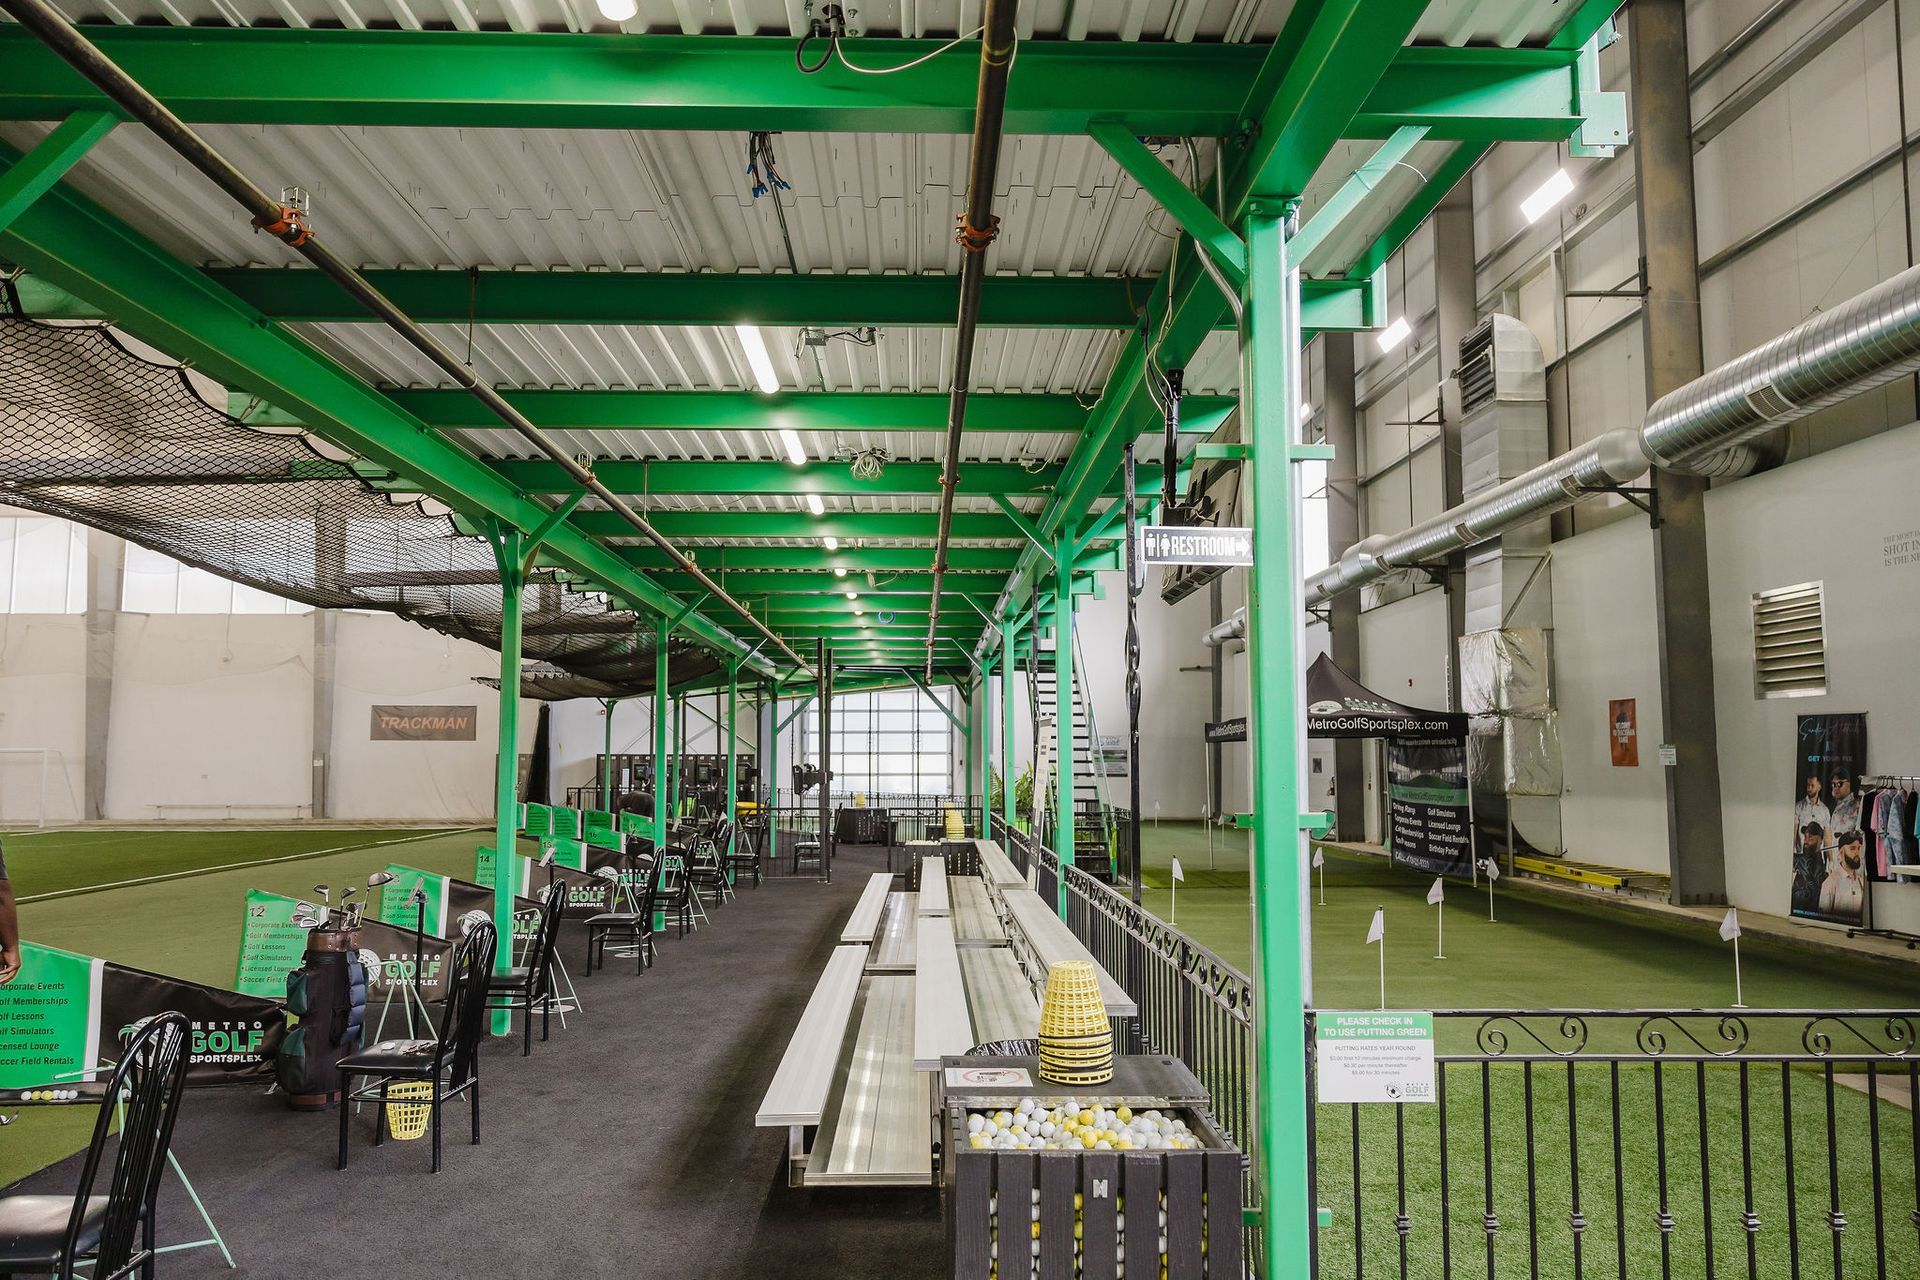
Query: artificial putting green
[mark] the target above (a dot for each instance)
(187, 927)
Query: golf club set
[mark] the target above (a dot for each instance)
(327, 994)
(352, 910)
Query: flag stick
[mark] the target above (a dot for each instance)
(1323, 881)
(1383, 968)
(1440, 937)
(1173, 901)
(1490, 919)
(1739, 999)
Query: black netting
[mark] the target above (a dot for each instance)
(92, 433)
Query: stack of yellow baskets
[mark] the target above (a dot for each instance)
(1076, 1039)
(956, 825)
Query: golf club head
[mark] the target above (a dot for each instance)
(379, 878)
(323, 893)
(346, 893)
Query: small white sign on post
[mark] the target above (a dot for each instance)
(1383, 1055)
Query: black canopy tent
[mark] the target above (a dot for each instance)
(1427, 764)
(1338, 706)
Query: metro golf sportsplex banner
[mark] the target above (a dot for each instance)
(62, 1020)
(451, 905)
(272, 942)
(1829, 840)
(1428, 803)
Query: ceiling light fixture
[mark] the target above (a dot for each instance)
(816, 506)
(790, 441)
(830, 542)
(1551, 193)
(618, 10)
(757, 358)
(853, 595)
(1394, 334)
(839, 571)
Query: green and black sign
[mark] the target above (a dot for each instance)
(62, 1021)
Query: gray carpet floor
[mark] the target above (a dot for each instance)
(623, 1147)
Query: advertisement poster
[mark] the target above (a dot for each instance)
(272, 943)
(1623, 733)
(1429, 818)
(452, 905)
(63, 1018)
(589, 891)
(1829, 839)
(1374, 1056)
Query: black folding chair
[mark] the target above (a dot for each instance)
(110, 1234)
(524, 985)
(708, 867)
(744, 856)
(633, 926)
(449, 1063)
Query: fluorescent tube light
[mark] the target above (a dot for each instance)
(1551, 193)
(757, 357)
(1395, 334)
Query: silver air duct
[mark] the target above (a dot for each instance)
(1234, 628)
(1701, 428)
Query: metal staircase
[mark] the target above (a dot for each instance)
(1093, 816)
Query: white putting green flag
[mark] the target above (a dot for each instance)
(1491, 867)
(1179, 874)
(1730, 926)
(1436, 894)
(1730, 932)
(1377, 932)
(1319, 856)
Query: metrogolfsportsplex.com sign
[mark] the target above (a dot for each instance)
(1195, 544)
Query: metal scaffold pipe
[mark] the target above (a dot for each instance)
(289, 225)
(978, 227)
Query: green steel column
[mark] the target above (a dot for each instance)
(509, 546)
(1006, 723)
(678, 748)
(986, 748)
(771, 763)
(660, 739)
(733, 740)
(1063, 713)
(1270, 373)
(606, 757)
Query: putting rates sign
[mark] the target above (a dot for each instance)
(1381, 1055)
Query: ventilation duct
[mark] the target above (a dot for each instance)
(1702, 428)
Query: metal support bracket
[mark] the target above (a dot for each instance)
(1027, 528)
(1645, 497)
(40, 169)
(1603, 115)
(1222, 452)
(1243, 821)
(927, 689)
(685, 611)
(546, 528)
(1309, 453)
(1316, 823)
(1227, 250)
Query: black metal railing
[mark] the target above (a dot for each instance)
(1636, 1143)
(1566, 1143)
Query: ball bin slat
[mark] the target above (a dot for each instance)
(1099, 1258)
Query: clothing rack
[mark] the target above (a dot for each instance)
(1881, 782)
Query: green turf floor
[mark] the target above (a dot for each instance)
(187, 927)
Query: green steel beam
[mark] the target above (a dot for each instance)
(639, 297)
(83, 249)
(50, 160)
(1329, 57)
(606, 297)
(1340, 206)
(1474, 95)
(1189, 211)
(844, 525)
(751, 584)
(854, 559)
(809, 411)
(1445, 176)
(552, 80)
(677, 476)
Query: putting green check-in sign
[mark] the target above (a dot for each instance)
(1383, 1055)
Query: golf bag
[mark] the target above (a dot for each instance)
(328, 996)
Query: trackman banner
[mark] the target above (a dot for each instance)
(424, 724)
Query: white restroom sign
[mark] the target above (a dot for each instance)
(1383, 1055)
(1195, 544)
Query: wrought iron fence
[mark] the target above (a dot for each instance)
(1636, 1143)
(1566, 1143)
